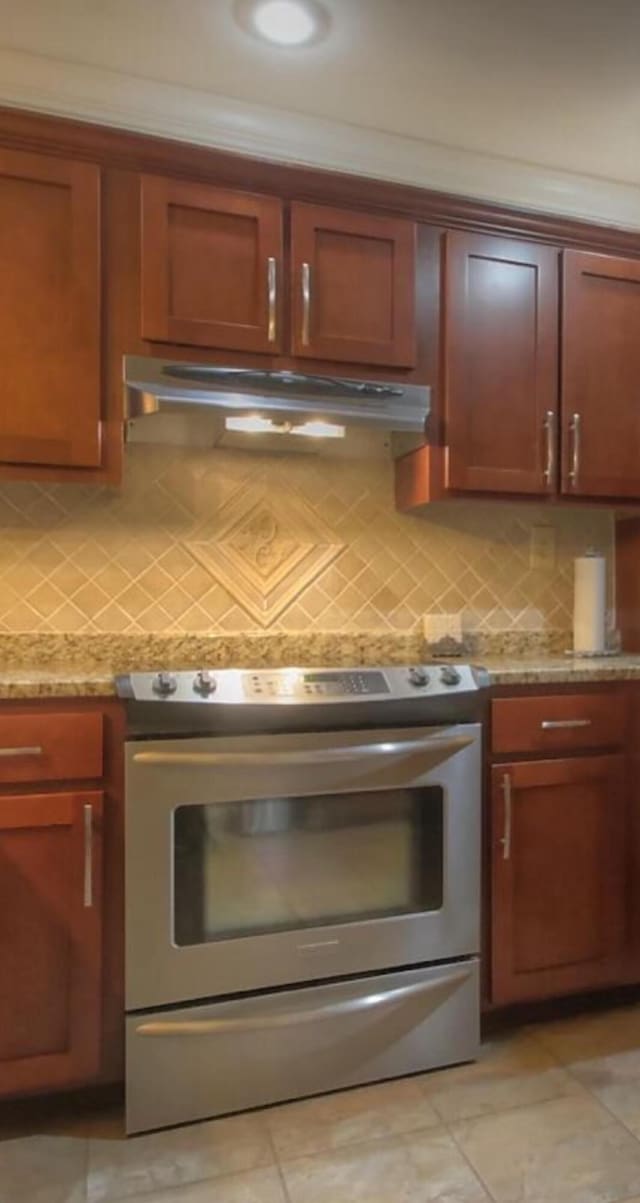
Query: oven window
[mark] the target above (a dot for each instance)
(279, 864)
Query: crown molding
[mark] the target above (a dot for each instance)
(113, 99)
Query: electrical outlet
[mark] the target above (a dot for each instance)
(542, 548)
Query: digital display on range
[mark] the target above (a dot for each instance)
(341, 682)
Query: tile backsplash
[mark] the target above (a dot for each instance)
(229, 541)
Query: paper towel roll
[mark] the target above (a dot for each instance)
(589, 603)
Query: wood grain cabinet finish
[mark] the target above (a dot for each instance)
(211, 266)
(600, 376)
(353, 286)
(559, 723)
(51, 940)
(500, 364)
(50, 311)
(559, 881)
(38, 746)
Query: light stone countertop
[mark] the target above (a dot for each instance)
(74, 666)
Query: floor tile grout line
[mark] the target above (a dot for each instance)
(618, 1119)
(434, 1129)
(277, 1163)
(477, 1175)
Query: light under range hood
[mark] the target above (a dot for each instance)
(290, 399)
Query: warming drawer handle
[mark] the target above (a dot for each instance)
(447, 744)
(564, 724)
(10, 753)
(257, 1023)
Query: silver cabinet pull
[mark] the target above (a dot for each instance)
(88, 855)
(564, 724)
(506, 835)
(272, 295)
(306, 303)
(9, 753)
(574, 471)
(255, 1023)
(550, 444)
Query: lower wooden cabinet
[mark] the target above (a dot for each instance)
(51, 940)
(558, 876)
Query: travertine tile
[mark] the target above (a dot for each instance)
(563, 1151)
(386, 1109)
(418, 1169)
(594, 1035)
(121, 1169)
(512, 1072)
(269, 533)
(43, 1169)
(255, 1186)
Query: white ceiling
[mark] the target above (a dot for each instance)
(553, 84)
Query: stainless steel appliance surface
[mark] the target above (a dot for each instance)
(151, 384)
(302, 863)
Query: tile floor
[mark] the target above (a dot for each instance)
(550, 1114)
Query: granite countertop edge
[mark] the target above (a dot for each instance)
(20, 683)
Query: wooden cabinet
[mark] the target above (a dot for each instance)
(214, 274)
(50, 311)
(558, 876)
(50, 936)
(353, 286)
(211, 266)
(500, 357)
(600, 376)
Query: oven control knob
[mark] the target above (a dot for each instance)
(418, 677)
(204, 683)
(449, 675)
(164, 684)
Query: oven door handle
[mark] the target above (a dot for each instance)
(444, 745)
(259, 1023)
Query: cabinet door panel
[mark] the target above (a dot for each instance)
(500, 364)
(601, 376)
(211, 266)
(51, 940)
(357, 301)
(50, 311)
(559, 877)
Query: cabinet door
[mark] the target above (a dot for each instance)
(500, 364)
(558, 876)
(51, 940)
(49, 311)
(211, 266)
(353, 286)
(601, 376)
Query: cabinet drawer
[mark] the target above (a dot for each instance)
(558, 722)
(50, 747)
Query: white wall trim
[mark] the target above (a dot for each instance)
(147, 106)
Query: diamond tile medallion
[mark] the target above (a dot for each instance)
(267, 550)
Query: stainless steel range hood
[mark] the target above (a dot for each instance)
(286, 397)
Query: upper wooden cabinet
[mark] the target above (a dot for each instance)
(500, 375)
(353, 286)
(50, 311)
(213, 275)
(211, 266)
(601, 376)
(51, 940)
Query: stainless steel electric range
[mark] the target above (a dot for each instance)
(302, 882)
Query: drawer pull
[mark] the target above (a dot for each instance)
(88, 856)
(564, 724)
(306, 303)
(10, 753)
(506, 835)
(256, 1023)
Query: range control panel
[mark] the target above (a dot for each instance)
(296, 686)
(320, 683)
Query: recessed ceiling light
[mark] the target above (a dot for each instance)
(284, 22)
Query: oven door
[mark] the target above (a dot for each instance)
(261, 861)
